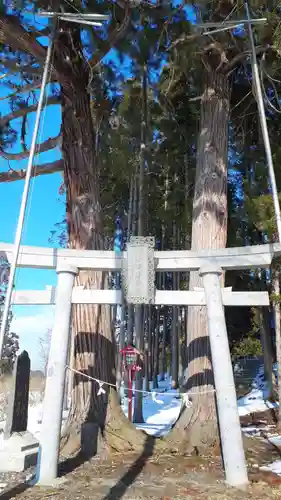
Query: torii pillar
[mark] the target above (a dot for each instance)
(228, 416)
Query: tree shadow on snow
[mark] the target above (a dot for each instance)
(117, 491)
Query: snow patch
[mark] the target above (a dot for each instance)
(275, 467)
(161, 409)
(256, 399)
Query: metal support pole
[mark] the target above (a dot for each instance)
(24, 200)
(55, 380)
(228, 417)
(139, 309)
(130, 395)
(256, 78)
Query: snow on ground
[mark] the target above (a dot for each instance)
(162, 407)
(275, 439)
(275, 467)
(254, 402)
(35, 412)
(256, 399)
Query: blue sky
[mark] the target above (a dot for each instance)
(45, 208)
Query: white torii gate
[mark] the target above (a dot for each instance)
(210, 264)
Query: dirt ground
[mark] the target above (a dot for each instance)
(155, 477)
(149, 477)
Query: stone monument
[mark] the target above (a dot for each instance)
(18, 448)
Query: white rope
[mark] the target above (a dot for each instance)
(155, 393)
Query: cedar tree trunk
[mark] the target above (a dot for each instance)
(94, 345)
(198, 427)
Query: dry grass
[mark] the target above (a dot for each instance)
(135, 478)
(147, 478)
(36, 383)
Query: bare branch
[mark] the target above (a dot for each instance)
(14, 34)
(15, 67)
(22, 90)
(241, 56)
(197, 98)
(50, 143)
(114, 35)
(23, 133)
(151, 5)
(42, 32)
(45, 349)
(182, 39)
(4, 120)
(44, 169)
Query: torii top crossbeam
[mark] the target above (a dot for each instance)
(249, 257)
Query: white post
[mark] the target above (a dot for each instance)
(55, 380)
(71, 364)
(228, 417)
(24, 200)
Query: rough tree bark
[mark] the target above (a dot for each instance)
(198, 427)
(156, 349)
(138, 395)
(94, 344)
(146, 348)
(175, 348)
(267, 346)
(163, 361)
(180, 328)
(174, 333)
(150, 346)
(277, 314)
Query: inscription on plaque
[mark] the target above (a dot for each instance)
(138, 271)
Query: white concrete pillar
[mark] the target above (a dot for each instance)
(55, 381)
(230, 430)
